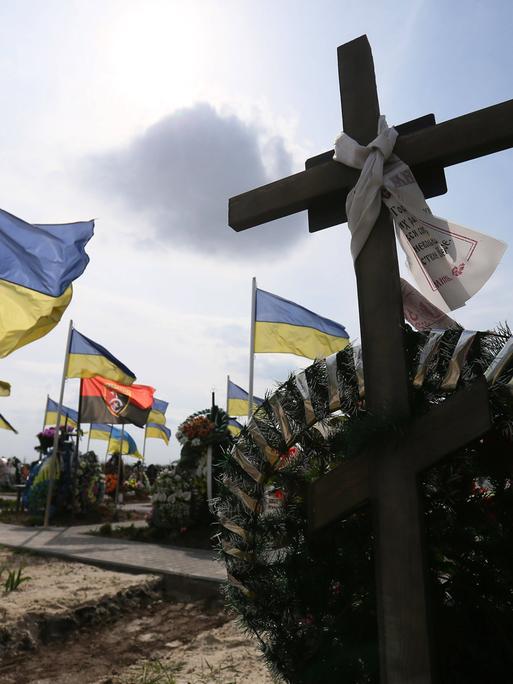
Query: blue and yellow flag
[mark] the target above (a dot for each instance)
(100, 431)
(38, 265)
(129, 445)
(5, 425)
(158, 412)
(68, 415)
(234, 427)
(160, 405)
(237, 403)
(87, 359)
(158, 431)
(285, 327)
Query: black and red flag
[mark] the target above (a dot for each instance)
(108, 401)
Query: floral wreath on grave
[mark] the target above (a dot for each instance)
(90, 482)
(200, 430)
(180, 492)
(137, 484)
(311, 600)
(171, 499)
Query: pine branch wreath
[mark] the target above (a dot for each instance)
(311, 601)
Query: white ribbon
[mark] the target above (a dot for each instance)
(363, 203)
(450, 263)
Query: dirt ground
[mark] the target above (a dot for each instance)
(56, 585)
(222, 655)
(76, 624)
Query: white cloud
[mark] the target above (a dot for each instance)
(180, 173)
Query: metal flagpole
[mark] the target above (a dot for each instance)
(108, 444)
(75, 455)
(252, 347)
(227, 392)
(89, 438)
(53, 459)
(209, 458)
(119, 463)
(107, 453)
(46, 411)
(144, 443)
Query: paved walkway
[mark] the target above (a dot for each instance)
(73, 543)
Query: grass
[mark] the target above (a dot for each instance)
(210, 674)
(14, 580)
(158, 672)
(155, 672)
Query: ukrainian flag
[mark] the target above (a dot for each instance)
(100, 431)
(156, 417)
(129, 446)
(234, 427)
(157, 413)
(37, 266)
(285, 327)
(52, 407)
(87, 359)
(237, 403)
(5, 425)
(160, 405)
(158, 432)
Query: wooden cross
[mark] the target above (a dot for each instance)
(388, 476)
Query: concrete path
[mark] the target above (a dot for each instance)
(183, 569)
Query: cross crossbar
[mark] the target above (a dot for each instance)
(350, 484)
(451, 142)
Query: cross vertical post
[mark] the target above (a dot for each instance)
(401, 602)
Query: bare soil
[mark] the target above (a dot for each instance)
(77, 624)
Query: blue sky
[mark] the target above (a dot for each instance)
(148, 115)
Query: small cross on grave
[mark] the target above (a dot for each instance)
(387, 477)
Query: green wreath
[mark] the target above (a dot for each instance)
(200, 430)
(311, 602)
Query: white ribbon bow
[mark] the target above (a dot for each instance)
(450, 263)
(363, 203)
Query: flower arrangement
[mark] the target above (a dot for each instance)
(90, 483)
(111, 481)
(137, 484)
(180, 491)
(200, 430)
(132, 485)
(171, 499)
(195, 430)
(47, 436)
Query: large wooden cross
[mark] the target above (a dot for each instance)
(387, 477)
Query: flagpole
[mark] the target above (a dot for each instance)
(227, 393)
(119, 462)
(252, 347)
(53, 458)
(46, 411)
(89, 438)
(75, 455)
(108, 443)
(144, 442)
(209, 459)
